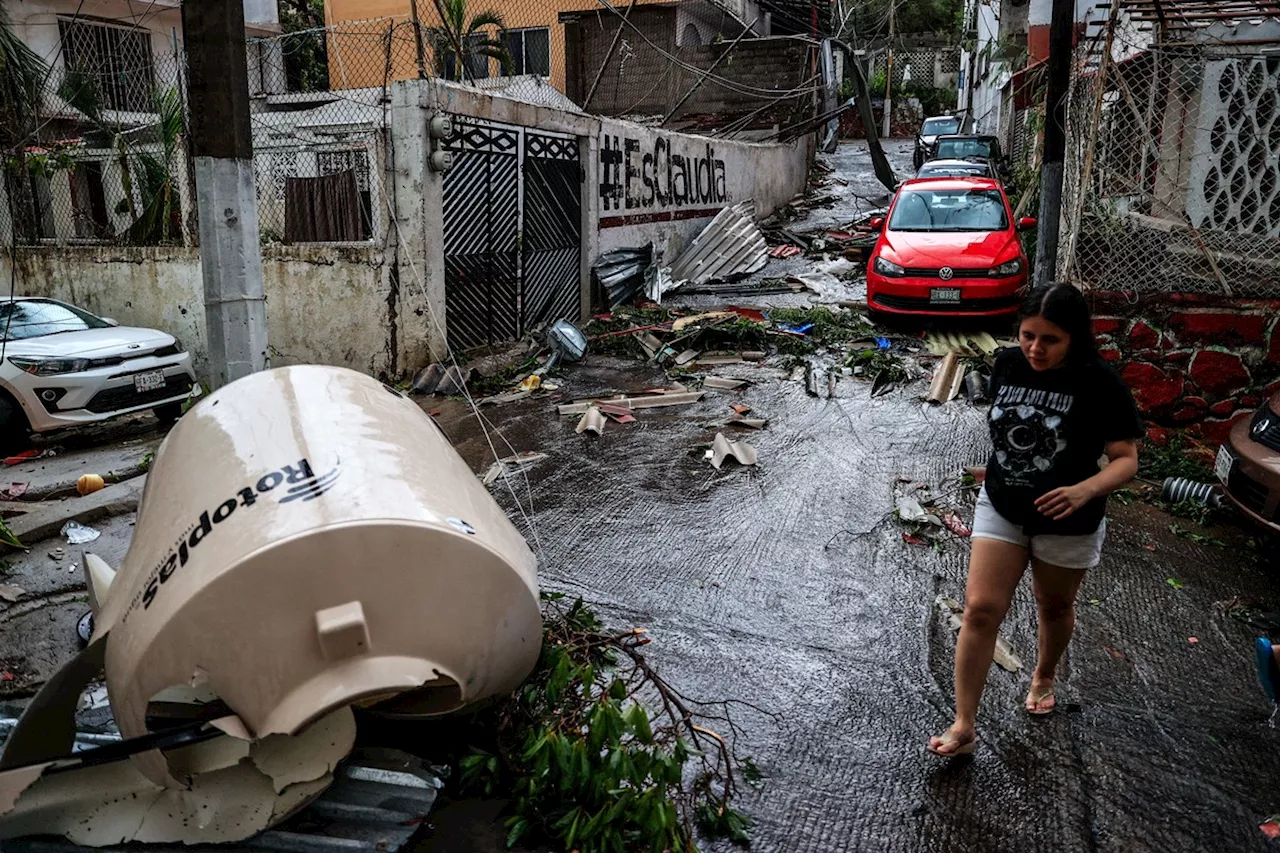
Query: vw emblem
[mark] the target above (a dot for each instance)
(945, 273)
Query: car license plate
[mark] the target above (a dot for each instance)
(1222, 465)
(149, 381)
(945, 295)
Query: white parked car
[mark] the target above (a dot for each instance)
(63, 366)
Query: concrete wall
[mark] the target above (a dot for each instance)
(640, 80)
(1198, 363)
(324, 305)
(664, 187)
(381, 308)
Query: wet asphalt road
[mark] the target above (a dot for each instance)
(1159, 744)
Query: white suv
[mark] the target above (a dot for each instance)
(63, 366)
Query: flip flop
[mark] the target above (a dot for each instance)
(1034, 700)
(1268, 671)
(947, 737)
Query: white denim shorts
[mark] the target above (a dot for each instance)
(1083, 551)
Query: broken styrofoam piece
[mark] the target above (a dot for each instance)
(679, 398)
(1004, 655)
(593, 421)
(947, 380)
(233, 789)
(722, 448)
(725, 383)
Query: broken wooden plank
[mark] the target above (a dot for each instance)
(677, 399)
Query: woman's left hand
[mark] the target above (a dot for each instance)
(1062, 502)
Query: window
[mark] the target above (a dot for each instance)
(116, 61)
(939, 126)
(952, 171)
(958, 149)
(949, 210)
(89, 202)
(477, 63)
(530, 52)
(34, 318)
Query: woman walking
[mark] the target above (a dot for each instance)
(1057, 409)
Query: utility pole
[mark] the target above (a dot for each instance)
(235, 310)
(1061, 26)
(888, 77)
(417, 38)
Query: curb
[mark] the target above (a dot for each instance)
(68, 488)
(47, 521)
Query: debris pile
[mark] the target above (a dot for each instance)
(262, 597)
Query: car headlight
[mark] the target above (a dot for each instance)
(887, 267)
(1012, 267)
(48, 366)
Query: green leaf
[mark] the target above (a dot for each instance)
(1173, 582)
(518, 826)
(639, 720)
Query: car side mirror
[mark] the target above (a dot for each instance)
(110, 322)
(877, 222)
(1026, 223)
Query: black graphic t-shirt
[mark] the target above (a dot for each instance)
(1048, 429)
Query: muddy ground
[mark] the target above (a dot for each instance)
(785, 585)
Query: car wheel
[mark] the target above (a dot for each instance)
(15, 432)
(168, 413)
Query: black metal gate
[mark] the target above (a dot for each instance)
(512, 232)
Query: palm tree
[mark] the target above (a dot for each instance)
(153, 222)
(22, 78)
(460, 39)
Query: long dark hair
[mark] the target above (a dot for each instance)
(1063, 305)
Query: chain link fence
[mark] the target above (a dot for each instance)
(1173, 170)
(104, 159)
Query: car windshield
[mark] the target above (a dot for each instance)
(953, 171)
(949, 210)
(958, 149)
(34, 318)
(937, 126)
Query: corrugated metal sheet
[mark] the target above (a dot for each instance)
(621, 273)
(731, 245)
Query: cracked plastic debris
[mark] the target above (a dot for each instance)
(193, 639)
(78, 534)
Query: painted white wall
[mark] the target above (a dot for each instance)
(324, 305)
(665, 187)
(36, 22)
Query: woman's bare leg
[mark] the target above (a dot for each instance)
(1055, 589)
(995, 568)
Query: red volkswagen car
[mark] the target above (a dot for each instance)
(948, 246)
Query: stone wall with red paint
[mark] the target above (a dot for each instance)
(1194, 362)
